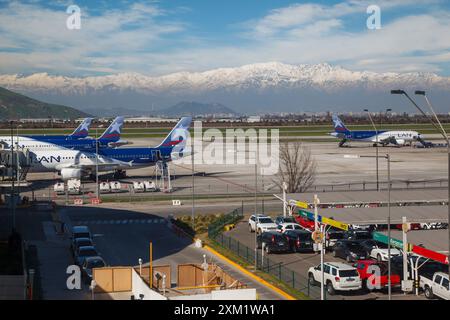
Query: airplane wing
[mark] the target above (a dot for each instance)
(111, 163)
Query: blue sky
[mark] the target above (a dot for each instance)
(161, 37)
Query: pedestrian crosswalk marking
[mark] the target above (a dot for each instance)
(124, 221)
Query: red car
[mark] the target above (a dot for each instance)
(414, 226)
(305, 223)
(362, 267)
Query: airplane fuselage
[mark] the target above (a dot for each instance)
(380, 136)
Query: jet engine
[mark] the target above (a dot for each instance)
(68, 173)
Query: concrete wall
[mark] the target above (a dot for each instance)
(233, 294)
(12, 287)
(140, 287)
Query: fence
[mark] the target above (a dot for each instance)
(224, 190)
(289, 277)
(217, 226)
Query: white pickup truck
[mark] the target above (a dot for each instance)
(437, 286)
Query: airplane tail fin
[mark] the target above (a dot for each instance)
(178, 135)
(83, 129)
(114, 130)
(339, 126)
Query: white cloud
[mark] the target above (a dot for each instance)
(137, 40)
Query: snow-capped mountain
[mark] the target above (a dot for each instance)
(254, 87)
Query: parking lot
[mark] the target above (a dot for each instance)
(301, 262)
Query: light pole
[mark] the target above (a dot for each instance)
(13, 203)
(256, 207)
(96, 162)
(193, 182)
(388, 159)
(376, 147)
(442, 131)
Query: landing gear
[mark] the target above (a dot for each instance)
(341, 144)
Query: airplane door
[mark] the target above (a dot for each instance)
(156, 155)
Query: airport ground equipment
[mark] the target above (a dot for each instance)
(163, 176)
(104, 187)
(138, 186)
(115, 186)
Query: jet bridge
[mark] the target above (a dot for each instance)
(14, 164)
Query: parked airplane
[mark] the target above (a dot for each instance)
(81, 132)
(110, 138)
(396, 137)
(73, 164)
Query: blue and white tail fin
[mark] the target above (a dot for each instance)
(83, 129)
(178, 135)
(339, 126)
(114, 130)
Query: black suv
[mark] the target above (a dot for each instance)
(358, 235)
(299, 240)
(349, 250)
(273, 242)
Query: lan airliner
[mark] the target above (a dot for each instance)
(73, 164)
(395, 137)
(110, 138)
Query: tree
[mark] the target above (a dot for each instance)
(297, 167)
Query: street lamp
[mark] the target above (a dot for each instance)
(13, 203)
(388, 159)
(96, 161)
(256, 207)
(442, 131)
(376, 147)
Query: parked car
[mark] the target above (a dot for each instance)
(282, 219)
(337, 277)
(89, 264)
(273, 242)
(80, 242)
(305, 223)
(261, 223)
(349, 250)
(378, 250)
(80, 232)
(433, 225)
(437, 285)
(427, 267)
(382, 280)
(283, 227)
(332, 236)
(83, 252)
(413, 226)
(358, 235)
(299, 240)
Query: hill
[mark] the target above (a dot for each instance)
(17, 106)
(186, 108)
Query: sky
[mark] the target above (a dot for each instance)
(166, 36)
